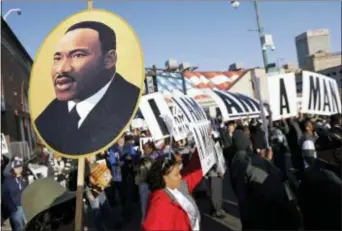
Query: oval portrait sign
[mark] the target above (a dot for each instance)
(86, 83)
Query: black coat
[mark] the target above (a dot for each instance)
(261, 193)
(320, 196)
(100, 127)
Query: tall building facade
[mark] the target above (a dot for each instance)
(15, 71)
(310, 42)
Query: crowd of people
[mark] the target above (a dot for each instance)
(288, 181)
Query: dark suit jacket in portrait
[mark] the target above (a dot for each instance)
(100, 127)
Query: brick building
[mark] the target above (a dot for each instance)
(16, 65)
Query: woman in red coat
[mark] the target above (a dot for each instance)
(171, 206)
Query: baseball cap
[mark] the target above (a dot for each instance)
(16, 163)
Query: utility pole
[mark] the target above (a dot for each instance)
(261, 35)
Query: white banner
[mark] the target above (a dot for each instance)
(200, 128)
(282, 96)
(235, 105)
(154, 107)
(219, 102)
(191, 109)
(320, 95)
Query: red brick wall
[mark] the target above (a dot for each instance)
(14, 74)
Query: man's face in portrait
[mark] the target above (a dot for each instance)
(79, 64)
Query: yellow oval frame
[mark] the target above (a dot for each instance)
(125, 68)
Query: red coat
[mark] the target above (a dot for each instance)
(165, 214)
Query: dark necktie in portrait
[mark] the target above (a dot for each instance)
(93, 101)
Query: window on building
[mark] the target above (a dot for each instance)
(334, 73)
(328, 74)
(341, 71)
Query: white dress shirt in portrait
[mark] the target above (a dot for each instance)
(84, 107)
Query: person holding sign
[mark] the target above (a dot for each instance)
(265, 203)
(151, 151)
(11, 191)
(319, 193)
(171, 206)
(88, 112)
(99, 207)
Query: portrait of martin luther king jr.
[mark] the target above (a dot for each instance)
(93, 101)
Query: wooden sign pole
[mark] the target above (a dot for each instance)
(80, 178)
(79, 195)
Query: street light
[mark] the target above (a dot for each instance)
(260, 30)
(17, 10)
(235, 4)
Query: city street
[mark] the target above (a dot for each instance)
(112, 111)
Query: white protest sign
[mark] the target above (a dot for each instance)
(4, 146)
(320, 94)
(204, 144)
(219, 102)
(200, 128)
(221, 166)
(181, 128)
(138, 123)
(153, 107)
(235, 105)
(37, 169)
(282, 96)
(191, 109)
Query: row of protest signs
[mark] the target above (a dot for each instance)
(185, 116)
(320, 96)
